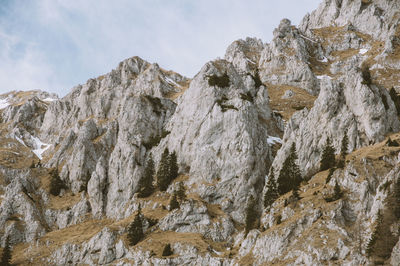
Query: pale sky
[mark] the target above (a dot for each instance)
(54, 45)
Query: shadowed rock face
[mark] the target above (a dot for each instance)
(226, 139)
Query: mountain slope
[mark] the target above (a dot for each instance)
(336, 74)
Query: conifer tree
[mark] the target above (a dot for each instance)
(337, 191)
(343, 151)
(163, 173)
(397, 199)
(328, 156)
(56, 184)
(374, 236)
(6, 255)
(289, 176)
(344, 146)
(167, 250)
(146, 182)
(295, 193)
(181, 193)
(271, 193)
(173, 203)
(135, 229)
(251, 215)
(173, 166)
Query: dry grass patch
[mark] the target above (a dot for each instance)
(65, 202)
(76, 234)
(286, 107)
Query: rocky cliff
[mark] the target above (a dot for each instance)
(232, 127)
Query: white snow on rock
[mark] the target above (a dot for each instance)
(272, 140)
(20, 140)
(323, 76)
(39, 146)
(4, 103)
(363, 51)
(324, 60)
(171, 81)
(49, 99)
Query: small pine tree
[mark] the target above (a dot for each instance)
(181, 193)
(251, 215)
(271, 192)
(289, 176)
(163, 173)
(32, 164)
(344, 146)
(396, 210)
(167, 251)
(374, 237)
(295, 193)
(328, 156)
(135, 229)
(396, 99)
(146, 182)
(56, 184)
(366, 75)
(6, 255)
(337, 191)
(173, 203)
(173, 166)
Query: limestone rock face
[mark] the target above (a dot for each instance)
(245, 54)
(221, 138)
(306, 85)
(365, 113)
(108, 120)
(377, 18)
(286, 59)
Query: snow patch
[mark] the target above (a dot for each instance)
(363, 51)
(39, 147)
(323, 76)
(49, 100)
(4, 103)
(250, 61)
(20, 140)
(324, 60)
(171, 81)
(272, 140)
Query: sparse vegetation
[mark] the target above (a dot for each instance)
(135, 229)
(271, 192)
(155, 103)
(173, 203)
(225, 107)
(6, 255)
(366, 75)
(337, 194)
(374, 237)
(167, 169)
(153, 141)
(279, 219)
(396, 99)
(251, 215)
(56, 184)
(257, 79)
(247, 97)
(328, 156)
(289, 176)
(181, 193)
(146, 182)
(396, 197)
(330, 174)
(167, 251)
(219, 81)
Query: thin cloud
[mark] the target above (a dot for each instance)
(56, 44)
